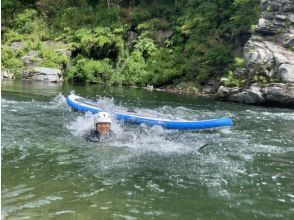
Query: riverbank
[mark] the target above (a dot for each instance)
(125, 43)
(266, 74)
(179, 48)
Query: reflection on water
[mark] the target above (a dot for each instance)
(50, 171)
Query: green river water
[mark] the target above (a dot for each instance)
(50, 172)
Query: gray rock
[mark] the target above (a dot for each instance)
(266, 57)
(211, 87)
(31, 58)
(280, 93)
(258, 57)
(286, 73)
(131, 36)
(17, 46)
(266, 54)
(6, 74)
(266, 27)
(226, 93)
(64, 52)
(288, 40)
(253, 95)
(58, 47)
(281, 17)
(291, 17)
(162, 35)
(241, 73)
(43, 74)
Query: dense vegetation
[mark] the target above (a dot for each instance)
(135, 42)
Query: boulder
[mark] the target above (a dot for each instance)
(286, 73)
(266, 27)
(162, 35)
(266, 57)
(281, 17)
(211, 87)
(256, 53)
(254, 95)
(251, 95)
(132, 36)
(280, 93)
(287, 39)
(31, 58)
(5, 74)
(277, 94)
(17, 46)
(43, 74)
(226, 93)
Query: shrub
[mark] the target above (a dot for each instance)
(218, 55)
(11, 36)
(86, 17)
(239, 62)
(232, 81)
(9, 60)
(135, 70)
(53, 59)
(139, 15)
(24, 21)
(164, 67)
(146, 46)
(98, 43)
(87, 70)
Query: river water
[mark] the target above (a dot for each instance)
(50, 172)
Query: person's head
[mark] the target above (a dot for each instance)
(102, 122)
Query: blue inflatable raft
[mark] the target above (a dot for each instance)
(83, 105)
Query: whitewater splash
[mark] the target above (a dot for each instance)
(141, 136)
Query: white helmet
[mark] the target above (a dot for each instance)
(102, 117)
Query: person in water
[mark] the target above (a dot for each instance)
(102, 128)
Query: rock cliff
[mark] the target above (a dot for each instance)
(268, 72)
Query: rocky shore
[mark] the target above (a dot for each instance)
(266, 78)
(268, 73)
(33, 68)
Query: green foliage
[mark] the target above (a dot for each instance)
(77, 17)
(203, 36)
(262, 80)
(87, 70)
(140, 15)
(218, 55)
(244, 15)
(24, 21)
(135, 71)
(53, 59)
(152, 25)
(233, 81)
(165, 67)
(98, 43)
(146, 46)
(12, 36)
(9, 60)
(239, 62)
(27, 25)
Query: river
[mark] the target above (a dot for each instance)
(50, 172)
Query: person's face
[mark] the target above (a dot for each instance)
(103, 128)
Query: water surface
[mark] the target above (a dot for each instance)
(50, 172)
